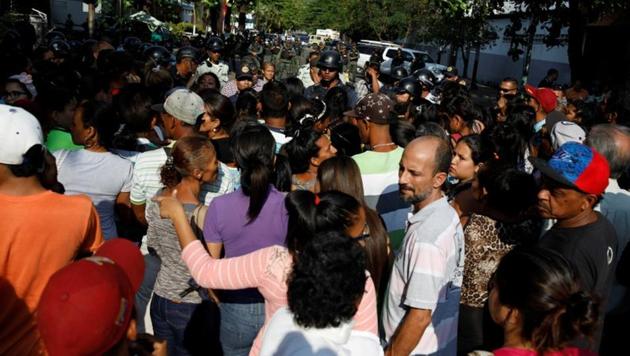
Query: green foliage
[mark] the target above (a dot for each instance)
(178, 29)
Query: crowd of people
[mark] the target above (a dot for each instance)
(188, 201)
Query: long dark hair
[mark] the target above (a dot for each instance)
(102, 118)
(542, 286)
(302, 148)
(254, 152)
(310, 213)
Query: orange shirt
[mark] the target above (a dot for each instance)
(39, 234)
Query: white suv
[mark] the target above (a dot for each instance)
(410, 55)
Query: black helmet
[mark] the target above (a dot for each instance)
(132, 44)
(187, 52)
(409, 85)
(425, 77)
(55, 35)
(159, 55)
(214, 44)
(399, 72)
(59, 48)
(330, 59)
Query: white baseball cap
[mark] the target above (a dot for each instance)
(184, 105)
(19, 131)
(566, 131)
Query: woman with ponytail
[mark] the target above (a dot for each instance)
(268, 269)
(535, 298)
(193, 162)
(251, 218)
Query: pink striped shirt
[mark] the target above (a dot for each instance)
(266, 269)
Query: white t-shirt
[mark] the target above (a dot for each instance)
(100, 175)
(284, 337)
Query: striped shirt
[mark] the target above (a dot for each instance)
(146, 180)
(266, 269)
(427, 274)
(379, 173)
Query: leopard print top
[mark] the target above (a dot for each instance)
(486, 242)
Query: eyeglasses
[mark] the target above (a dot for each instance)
(364, 234)
(14, 94)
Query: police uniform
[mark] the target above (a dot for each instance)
(221, 70)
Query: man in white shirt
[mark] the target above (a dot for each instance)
(422, 302)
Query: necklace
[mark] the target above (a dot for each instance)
(383, 144)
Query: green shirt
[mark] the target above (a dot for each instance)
(60, 140)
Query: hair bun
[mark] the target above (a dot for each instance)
(582, 312)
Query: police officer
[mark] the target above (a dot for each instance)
(185, 66)
(157, 57)
(428, 81)
(391, 86)
(330, 66)
(214, 64)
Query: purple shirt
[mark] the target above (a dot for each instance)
(227, 223)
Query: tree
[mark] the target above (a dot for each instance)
(552, 15)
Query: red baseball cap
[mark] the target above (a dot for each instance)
(86, 306)
(545, 97)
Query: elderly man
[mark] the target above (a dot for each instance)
(574, 180)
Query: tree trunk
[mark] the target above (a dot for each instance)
(465, 58)
(452, 58)
(577, 33)
(531, 31)
(91, 11)
(242, 17)
(473, 84)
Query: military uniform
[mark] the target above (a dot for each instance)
(353, 57)
(221, 70)
(319, 92)
(287, 65)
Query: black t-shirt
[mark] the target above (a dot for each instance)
(591, 249)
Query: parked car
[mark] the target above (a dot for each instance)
(409, 56)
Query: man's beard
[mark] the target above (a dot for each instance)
(415, 198)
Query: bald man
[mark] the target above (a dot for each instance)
(425, 285)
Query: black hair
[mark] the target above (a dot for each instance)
(431, 129)
(480, 146)
(543, 287)
(302, 148)
(327, 281)
(336, 100)
(294, 86)
(246, 105)
(463, 107)
(188, 153)
(254, 152)
(509, 190)
(310, 213)
(274, 99)
(221, 107)
(511, 80)
(552, 71)
(511, 138)
(346, 139)
(102, 118)
(22, 86)
(134, 106)
(214, 76)
(300, 106)
(33, 163)
(402, 132)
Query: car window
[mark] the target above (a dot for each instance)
(365, 49)
(390, 53)
(407, 56)
(427, 59)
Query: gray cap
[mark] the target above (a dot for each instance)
(566, 131)
(184, 105)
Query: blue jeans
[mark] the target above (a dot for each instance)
(240, 324)
(152, 267)
(187, 328)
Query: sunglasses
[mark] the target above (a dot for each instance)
(505, 90)
(329, 70)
